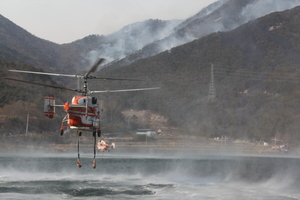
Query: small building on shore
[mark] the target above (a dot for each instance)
(148, 132)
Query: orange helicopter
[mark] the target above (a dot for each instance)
(83, 113)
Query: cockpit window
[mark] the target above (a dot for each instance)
(94, 100)
(82, 101)
(90, 100)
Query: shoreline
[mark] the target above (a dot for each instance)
(183, 145)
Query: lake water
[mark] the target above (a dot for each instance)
(137, 176)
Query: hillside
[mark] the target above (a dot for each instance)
(132, 42)
(256, 71)
(115, 46)
(16, 44)
(256, 75)
(224, 15)
(19, 99)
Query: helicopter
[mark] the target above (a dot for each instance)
(83, 113)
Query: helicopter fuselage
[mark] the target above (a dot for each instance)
(83, 114)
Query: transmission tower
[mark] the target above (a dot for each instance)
(212, 88)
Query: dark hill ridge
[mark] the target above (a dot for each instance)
(19, 45)
(256, 76)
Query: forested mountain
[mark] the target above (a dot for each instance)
(256, 76)
(134, 41)
(19, 99)
(16, 44)
(83, 53)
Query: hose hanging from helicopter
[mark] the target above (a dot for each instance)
(94, 161)
(78, 158)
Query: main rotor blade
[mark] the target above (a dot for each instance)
(113, 79)
(76, 76)
(95, 66)
(126, 90)
(52, 86)
(44, 73)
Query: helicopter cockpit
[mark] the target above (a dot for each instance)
(82, 100)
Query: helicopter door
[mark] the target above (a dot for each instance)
(49, 106)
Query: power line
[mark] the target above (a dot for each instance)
(261, 76)
(212, 88)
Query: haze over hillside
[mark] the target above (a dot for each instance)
(224, 15)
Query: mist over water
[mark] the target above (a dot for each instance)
(137, 176)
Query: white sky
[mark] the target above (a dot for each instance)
(64, 21)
